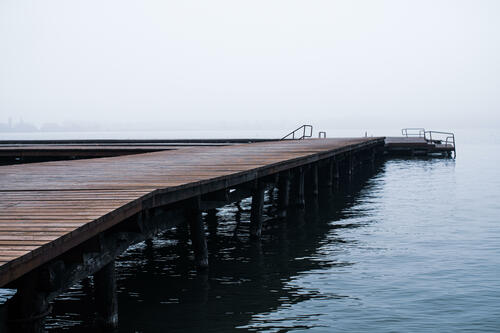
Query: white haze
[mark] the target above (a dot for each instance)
(252, 64)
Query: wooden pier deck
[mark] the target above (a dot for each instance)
(29, 151)
(49, 208)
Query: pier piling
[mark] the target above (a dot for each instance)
(283, 193)
(27, 310)
(105, 298)
(197, 234)
(256, 212)
(297, 191)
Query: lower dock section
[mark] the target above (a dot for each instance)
(417, 146)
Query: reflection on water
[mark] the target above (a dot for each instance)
(400, 248)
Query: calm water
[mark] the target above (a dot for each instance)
(413, 246)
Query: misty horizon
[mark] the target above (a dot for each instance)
(222, 64)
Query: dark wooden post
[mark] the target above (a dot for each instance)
(328, 172)
(256, 212)
(314, 179)
(212, 221)
(197, 234)
(283, 193)
(373, 157)
(350, 165)
(297, 190)
(106, 301)
(27, 310)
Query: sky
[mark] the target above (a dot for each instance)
(252, 64)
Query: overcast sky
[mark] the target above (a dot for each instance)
(344, 64)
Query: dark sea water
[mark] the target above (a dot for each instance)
(411, 246)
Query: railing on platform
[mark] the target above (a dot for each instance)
(322, 135)
(413, 132)
(447, 137)
(304, 131)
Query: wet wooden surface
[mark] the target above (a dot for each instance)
(48, 208)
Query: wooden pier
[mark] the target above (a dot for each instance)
(63, 221)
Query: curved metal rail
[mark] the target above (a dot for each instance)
(447, 137)
(304, 131)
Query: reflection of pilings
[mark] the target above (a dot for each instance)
(197, 233)
(106, 301)
(256, 212)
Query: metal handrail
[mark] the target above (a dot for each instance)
(421, 132)
(305, 129)
(322, 135)
(450, 139)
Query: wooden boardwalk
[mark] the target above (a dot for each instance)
(49, 208)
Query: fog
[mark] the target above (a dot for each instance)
(251, 64)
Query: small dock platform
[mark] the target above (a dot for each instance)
(419, 142)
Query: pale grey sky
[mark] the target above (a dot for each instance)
(341, 64)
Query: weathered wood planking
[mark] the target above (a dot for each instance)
(48, 208)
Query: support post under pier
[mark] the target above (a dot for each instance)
(326, 172)
(314, 180)
(283, 193)
(256, 212)
(27, 310)
(197, 234)
(298, 196)
(106, 300)
(211, 219)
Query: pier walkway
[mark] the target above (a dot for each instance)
(48, 208)
(65, 220)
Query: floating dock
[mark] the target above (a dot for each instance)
(419, 142)
(63, 221)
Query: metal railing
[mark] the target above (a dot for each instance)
(434, 137)
(304, 131)
(322, 135)
(447, 137)
(412, 132)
